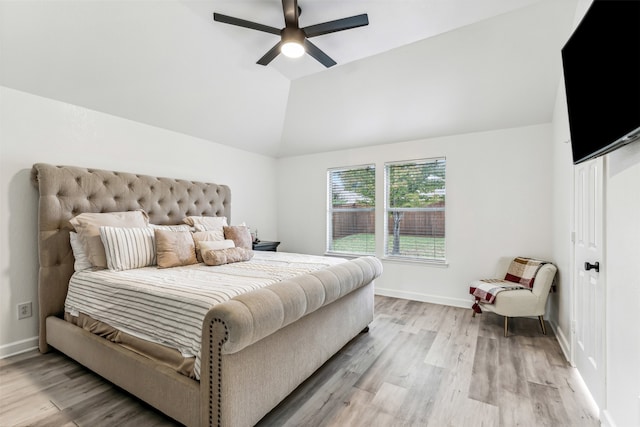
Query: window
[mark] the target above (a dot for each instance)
(351, 210)
(414, 209)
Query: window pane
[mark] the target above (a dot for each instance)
(353, 231)
(351, 221)
(416, 234)
(415, 209)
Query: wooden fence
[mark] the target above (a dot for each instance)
(412, 223)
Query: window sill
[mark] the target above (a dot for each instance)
(349, 255)
(407, 260)
(394, 259)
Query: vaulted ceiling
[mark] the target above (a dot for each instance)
(421, 68)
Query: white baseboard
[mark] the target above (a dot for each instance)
(562, 341)
(434, 299)
(18, 347)
(606, 420)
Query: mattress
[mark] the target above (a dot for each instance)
(167, 306)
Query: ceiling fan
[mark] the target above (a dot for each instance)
(294, 41)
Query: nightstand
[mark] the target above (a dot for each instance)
(264, 245)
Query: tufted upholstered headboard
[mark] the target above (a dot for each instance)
(66, 191)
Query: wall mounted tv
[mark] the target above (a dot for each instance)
(601, 64)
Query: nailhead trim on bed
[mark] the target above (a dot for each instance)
(219, 364)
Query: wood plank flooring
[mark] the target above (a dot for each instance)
(419, 365)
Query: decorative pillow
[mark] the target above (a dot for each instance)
(208, 223)
(128, 248)
(175, 248)
(227, 256)
(80, 256)
(240, 235)
(215, 245)
(201, 236)
(87, 225)
(177, 227)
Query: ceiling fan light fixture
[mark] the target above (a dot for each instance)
(292, 49)
(292, 42)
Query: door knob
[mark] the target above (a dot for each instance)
(595, 266)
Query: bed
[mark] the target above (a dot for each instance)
(256, 348)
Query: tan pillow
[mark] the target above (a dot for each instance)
(240, 235)
(87, 225)
(200, 236)
(174, 248)
(177, 227)
(227, 256)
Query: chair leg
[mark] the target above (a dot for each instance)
(506, 325)
(544, 330)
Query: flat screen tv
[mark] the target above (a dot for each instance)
(601, 64)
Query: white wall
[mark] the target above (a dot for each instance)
(622, 236)
(560, 302)
(35, 129)
(499, 194)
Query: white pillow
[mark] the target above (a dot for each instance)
(215, 245)
(87, 226)
(208, 223)
(128, 248)
(206, 220)
(81, 260)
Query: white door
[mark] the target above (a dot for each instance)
(589, 303)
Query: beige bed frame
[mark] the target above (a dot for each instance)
(256, 348)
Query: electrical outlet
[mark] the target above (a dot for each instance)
(24, 310)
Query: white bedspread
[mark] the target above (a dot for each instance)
(167, 306)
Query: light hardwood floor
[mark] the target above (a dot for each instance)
(419, 365)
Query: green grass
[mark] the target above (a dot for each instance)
(413, 246)
(360, 243)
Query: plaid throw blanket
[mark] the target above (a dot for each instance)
(520, 275)
(523, 271)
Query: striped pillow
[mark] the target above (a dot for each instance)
(128, 248)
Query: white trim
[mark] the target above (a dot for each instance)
(606, 420)
(18, 347)
(434, 299)
(589, 397)
(424, 261)
(388, 209)
(331, 209)
(565, 346)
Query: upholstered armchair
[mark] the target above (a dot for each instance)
(522, 302)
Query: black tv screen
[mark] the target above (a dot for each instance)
(601, 64)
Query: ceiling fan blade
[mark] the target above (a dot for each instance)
(270, 56)
(246, 24)
(337, 25)
(319, 55)
(291, 13)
